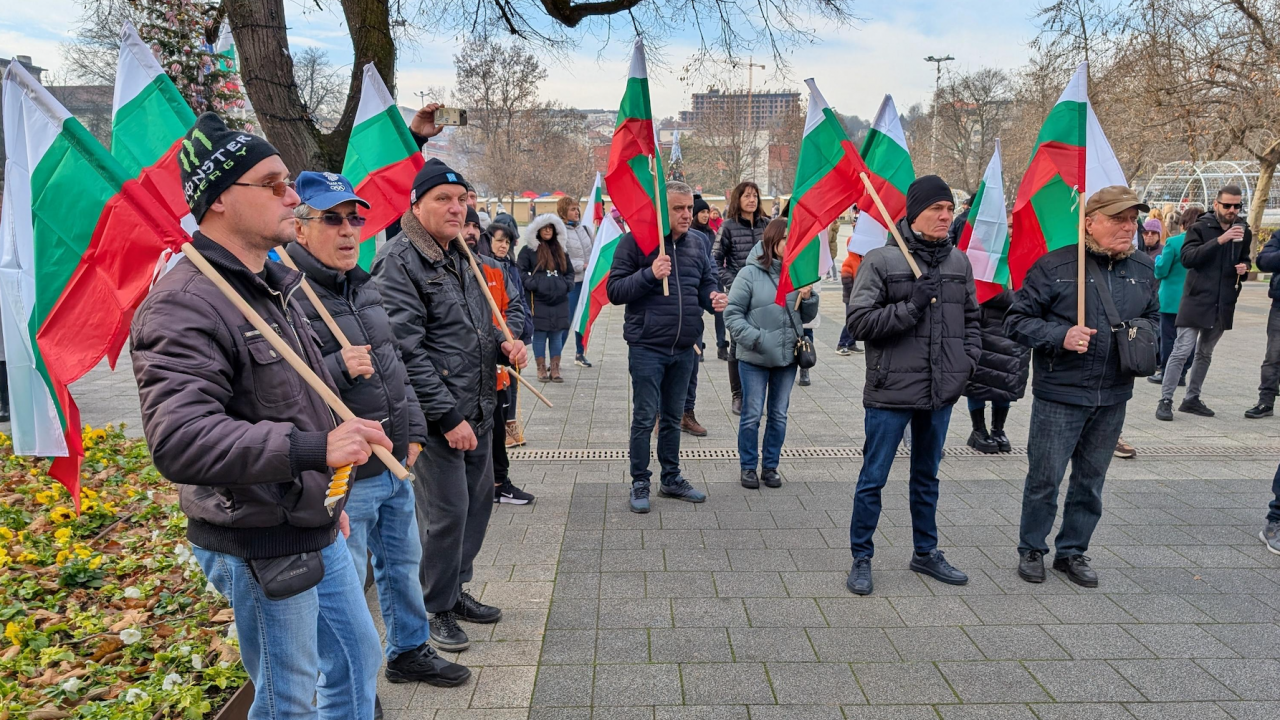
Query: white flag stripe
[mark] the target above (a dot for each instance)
(609, 231)
(374, 97)
(639, 69)
(589, 219)
(135, 69)
(990, 223)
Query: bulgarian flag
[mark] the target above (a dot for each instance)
(597, 274)
(985, 238)
(381, 160)
(889, 168)
(148, 120)
(79, 237)
(595, 206)
(1071, 154)
(826, 183)
(635, 165)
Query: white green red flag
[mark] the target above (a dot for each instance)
(891, 173)
(148, 120)
(985, 238)
(595, 206)
(594, 296)
(1071, 154)
(382, 159)
(635, 176)
(826, 184)
(79, 238)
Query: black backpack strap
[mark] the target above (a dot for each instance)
(1108, 305)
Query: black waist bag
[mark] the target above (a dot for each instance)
(1135, 339)
(284, 577)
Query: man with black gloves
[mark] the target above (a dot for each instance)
(661, 331)
(923, 341)
(1216, 255)
(250, 445)
(451, 347)
(1079, 387)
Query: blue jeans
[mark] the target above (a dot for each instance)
(1085, 436)
(574, 294)
(757, 382)
(659, 386)
(383, 522)
(884, 430)
(555, 337)
(280, 640)
(982, 404)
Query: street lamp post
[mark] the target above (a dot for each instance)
(933, 124)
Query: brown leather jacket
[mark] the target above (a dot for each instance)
(226, 417)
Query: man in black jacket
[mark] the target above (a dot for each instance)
(249, 444)
(373, 383)
(450, 347)
(1078, 386)
(1269, 261)
(660, 331)
(923, 341)
(1216, 254)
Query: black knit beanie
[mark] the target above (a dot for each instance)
(472, 217)
(924, 192)
(699, 205)
(213, 157)
(433, 173)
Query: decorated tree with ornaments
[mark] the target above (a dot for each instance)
(193, 44)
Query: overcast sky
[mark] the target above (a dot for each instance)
(853, 67)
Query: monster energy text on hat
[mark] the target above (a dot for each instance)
(212, 157)
(1114, 200)
(434, 173)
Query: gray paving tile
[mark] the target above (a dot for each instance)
(1009, 610)
(1251, 710)
(1177, 711)
(933, 643)
(859, 612)
(771, 644)
(795, 712)
(950, 611)
(1179, 641)
(1090, 642)
(631, 685)
(784, 612)
(852, 645)
(726, 684)
(568, 647)
(992, 682)
(749, 584)
(563, 685)
(700, 712)
(635, 612)
(1250, 679)
(902, 683)
(1085, 609)
(689, 645)
(890, 712)
(709, 612)
(1015, 642)
(1082, 681)
(814, 683)
(622, 646)
(986, 712)
(1255, 640)
(1172, 680)
(679, 585)
(1081, 711)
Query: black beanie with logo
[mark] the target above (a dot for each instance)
(212, 157)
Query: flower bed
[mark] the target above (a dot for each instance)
(106, 615)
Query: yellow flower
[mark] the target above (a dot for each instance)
(62, 534)
(88, 493)
(62, 557)
(11, 630)
(82, 551)
(109, 507)
(6, 533)
(88, 506)
(44, 497)
(28, 557)
(4, 557)
(61, 514)
(95, 562)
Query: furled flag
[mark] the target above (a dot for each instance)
(1071, 152)
(676, 155)
(148, 120)
(382, 159)
(826, 183)
(985, 238)
(78, 242)
(595, 206)
(635, 165)
(594, 297)
(889, 165)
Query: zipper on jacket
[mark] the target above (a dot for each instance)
(382, 377)
(675, 271)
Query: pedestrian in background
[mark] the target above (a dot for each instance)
(548, 280)
(578, 239)
(846, 345)
(1000, 378)
(1269, 261)
(1172, 275)
(743, 228)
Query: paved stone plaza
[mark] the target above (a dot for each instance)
(737, 608)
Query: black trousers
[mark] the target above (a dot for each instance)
(500, 462)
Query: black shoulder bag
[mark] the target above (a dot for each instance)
(806, 355)
(1135, 339)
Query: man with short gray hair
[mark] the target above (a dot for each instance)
(661, 330)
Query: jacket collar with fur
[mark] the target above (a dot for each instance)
(422, 240)
(530, 234)
(1092, 246)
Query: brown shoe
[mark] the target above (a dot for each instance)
(542, 370)
(555, 370)
(515, 436)
(689, 424)
(1125, 450)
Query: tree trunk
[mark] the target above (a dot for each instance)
(370, 24)
(1267, 162)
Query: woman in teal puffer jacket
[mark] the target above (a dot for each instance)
(765, 334)
(1172, 274)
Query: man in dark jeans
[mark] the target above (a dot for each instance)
(661, 331)
(1079, 388)
(1269, 261)
(923, 341)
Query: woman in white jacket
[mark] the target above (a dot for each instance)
(577, 244)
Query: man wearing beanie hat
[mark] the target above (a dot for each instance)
(923, 339)
(451, 349)
(250, 445)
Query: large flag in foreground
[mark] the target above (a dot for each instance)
(889, 167)
(594, 297)
(79, 238)
(826, 183)
(985, 238)
(382, 159)
(635, 176)
(1071, 154)
(148, 119)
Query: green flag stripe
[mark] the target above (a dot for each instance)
(820, 151)
(804, 267)
(599, 274)
(1065, 124)
(144, 129)
(635, 101)
(1054, 205)
(639, 165)
(380, 141)
(886, 158)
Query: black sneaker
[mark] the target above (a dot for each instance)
(843, 350)
(771, 478)
(446, 634)
(681, 490)
(859, 582)
(804, 377)
(736, 405)
(854, 347)
(723, 353)
(472, 610)
(1259, 411)
(1164, 411)
(422, 664)
(1156, 378)
(511, 495)
(1195, 406)
(581, 361)
(1077, 569)
(935, 565)
(748, 479)
(1031, 566)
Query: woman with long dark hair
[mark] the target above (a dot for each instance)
(743, 227)
(548, 279)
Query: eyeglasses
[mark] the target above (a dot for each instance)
(333, 219)
(278, 187)
(1231, 206)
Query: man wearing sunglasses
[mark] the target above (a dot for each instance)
(374, 384)
(1216, 254)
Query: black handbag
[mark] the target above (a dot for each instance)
(1135, 339)
(806, 355)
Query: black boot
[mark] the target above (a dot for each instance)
(979, 439)
(4, 391)
(998, 415)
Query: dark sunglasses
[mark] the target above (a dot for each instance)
(1231, 206)
(278, 188)
(333, 219)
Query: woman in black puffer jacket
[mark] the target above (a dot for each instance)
(743, 228)
(1001, 377)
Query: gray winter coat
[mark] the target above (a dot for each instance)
(577, 243)
(758, 324)
(915, 360)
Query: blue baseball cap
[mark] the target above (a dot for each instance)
(325, 190)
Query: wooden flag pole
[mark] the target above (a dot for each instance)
(1080, 260)
(893, 227)
(657, 212)
(310, 292)
(502, 322)
(273, 338)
